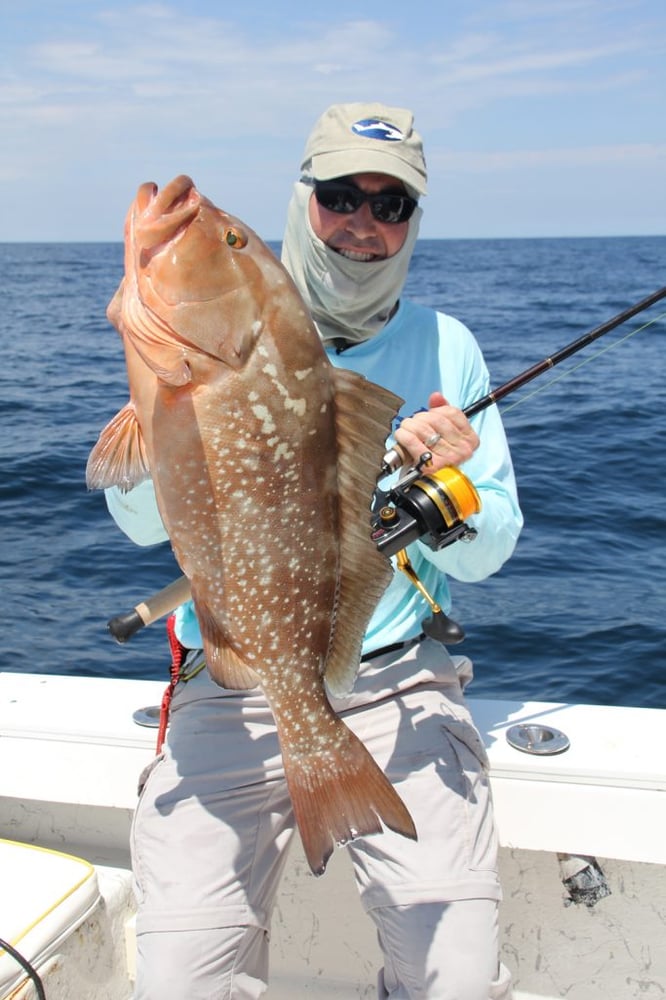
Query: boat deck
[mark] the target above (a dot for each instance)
(70, 755)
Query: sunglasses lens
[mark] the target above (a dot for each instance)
(345, 199)
(392, 207)
(341, 198)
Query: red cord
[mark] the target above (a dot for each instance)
(178, 652)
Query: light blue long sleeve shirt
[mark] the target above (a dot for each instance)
(418, 352)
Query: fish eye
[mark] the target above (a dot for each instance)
(235, 238)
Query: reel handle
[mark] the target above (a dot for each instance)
(443, 629)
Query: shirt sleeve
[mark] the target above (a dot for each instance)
(490, 469)
(498, 523)
(136, 513)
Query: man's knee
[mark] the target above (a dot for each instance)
(441, 951)
(202, 963)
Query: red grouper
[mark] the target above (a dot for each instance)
(264, 458)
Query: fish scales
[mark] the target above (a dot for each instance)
(263, 457)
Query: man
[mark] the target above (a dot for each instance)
(214, 820)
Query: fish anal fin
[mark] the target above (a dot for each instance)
(224, 665)
(119, 456)
(364, 413)
(227, 669)
(341, 795)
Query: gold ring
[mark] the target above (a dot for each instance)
(432, 440)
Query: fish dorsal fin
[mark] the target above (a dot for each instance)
(119, 456)
(364, 412)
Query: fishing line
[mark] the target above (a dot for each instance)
(395, 457)
(581, 364)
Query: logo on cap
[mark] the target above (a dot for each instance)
(375, 128)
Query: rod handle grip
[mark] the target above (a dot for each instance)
(123, 627)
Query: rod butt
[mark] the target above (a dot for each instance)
(123, 627)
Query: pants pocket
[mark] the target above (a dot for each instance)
(481, 835)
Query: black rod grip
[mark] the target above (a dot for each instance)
(123, 627)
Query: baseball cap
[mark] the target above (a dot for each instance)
(366, 138)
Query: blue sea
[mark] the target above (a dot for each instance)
(578, 614)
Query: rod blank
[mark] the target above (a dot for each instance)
(576, 345)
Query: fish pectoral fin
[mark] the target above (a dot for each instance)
(119, 457)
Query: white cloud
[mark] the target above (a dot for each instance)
(100, 102)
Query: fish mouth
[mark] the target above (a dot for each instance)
(160, 216)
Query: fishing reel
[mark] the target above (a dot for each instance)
(432, 507)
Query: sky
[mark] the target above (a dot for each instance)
(539, 117)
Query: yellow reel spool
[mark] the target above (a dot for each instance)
(453, 494)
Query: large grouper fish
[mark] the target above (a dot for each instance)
(264, 457)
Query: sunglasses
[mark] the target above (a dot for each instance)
(345, 199)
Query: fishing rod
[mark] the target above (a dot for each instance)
(393, 462)
(576, 345)
(433, 507)
(430, 506)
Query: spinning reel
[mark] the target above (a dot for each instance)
(431, 506)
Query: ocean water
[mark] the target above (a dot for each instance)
(578, 613)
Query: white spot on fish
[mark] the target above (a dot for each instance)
(303, 374)
(262, 412)
(299, 406)
(283, 451)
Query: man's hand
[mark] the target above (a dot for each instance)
(442, 430)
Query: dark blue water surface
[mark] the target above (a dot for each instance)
(578, 614)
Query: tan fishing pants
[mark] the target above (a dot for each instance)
(214, 822)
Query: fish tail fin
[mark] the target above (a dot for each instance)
(339, 794)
